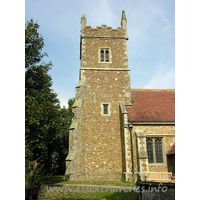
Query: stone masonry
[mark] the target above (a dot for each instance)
(95, 150)
(140, 133)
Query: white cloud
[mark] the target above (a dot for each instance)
(168, 26)
(65, 103)
(157, 11)
(163, 79)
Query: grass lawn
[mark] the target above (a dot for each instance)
(75, 192)
(113, 183)
(63, 191)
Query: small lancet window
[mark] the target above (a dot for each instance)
(105, 109)
(102, 55)
(107, 55)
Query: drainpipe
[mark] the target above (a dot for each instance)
(130, 130)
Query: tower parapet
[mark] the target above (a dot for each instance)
(104, 30)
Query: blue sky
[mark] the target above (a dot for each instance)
(151, 44)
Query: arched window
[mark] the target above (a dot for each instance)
(102, 55)
(150, 150)
(107, 55)
(158, 151)
(154, 150)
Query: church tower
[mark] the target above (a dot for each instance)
(96, 141)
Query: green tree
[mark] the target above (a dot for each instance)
(46, 124)
(42, 118)
(33, 44)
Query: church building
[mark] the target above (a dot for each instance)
(117, 132)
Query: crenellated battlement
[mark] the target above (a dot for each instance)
(104, 30)
(103, 26)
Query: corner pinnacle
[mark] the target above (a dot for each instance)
(123, 15)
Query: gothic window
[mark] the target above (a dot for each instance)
(158, 151)
(105, 54)
(154, 150)
(102, 55)
(150, 150)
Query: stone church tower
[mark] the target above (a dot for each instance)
(96, 141)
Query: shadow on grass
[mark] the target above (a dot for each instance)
(122, 195)
(52, 179)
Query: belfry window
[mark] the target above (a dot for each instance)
(104, 55)
(107, 55)
(154, 150)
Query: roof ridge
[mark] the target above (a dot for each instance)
(156, 90)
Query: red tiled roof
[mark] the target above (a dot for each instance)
(171, 151)
(150, 105)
